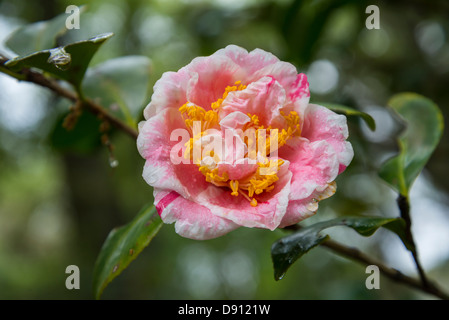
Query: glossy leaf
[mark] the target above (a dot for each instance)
(123, 245)
(67, 63)
(423, 129)
(37, 36)
(287, 250)
(121, 85)
(304, 23)
(347, 111)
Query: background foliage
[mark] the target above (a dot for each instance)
(59, 197)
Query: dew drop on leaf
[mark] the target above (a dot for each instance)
(60, 58)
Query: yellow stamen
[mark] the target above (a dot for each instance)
(234, 184)
(253, 202)
(192, 113)
(237, 87)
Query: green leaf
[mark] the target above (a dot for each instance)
(123, 245)
(287, 250)
(67, 63)
(423, 130)
(121, 85)
(303, 25)
(37, 36)
(351, 112)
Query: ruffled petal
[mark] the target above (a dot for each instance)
(191, 219)
(240, 169)
(299, 210)
(249, 62)
(168, 92)
(263, 98)
(234, 120)
(295, 85)
(160, 170)
(209, 77)
(313, 164)
(322, 124)
(267, 214)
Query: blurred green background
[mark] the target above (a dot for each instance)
(58, 204)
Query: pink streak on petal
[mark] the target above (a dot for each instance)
(341, 168)
(300, 88)
(165, 201)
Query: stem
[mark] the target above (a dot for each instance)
(404, 208)
(39, 79)
(393, 274)
(10, 73)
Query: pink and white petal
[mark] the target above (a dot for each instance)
(298, 96)
(263, 98)
(240, 169)
(299, 89)
(234, 147)
(168, 92)
(295, 85)
(234, 120)
(299, 210)
(155, 146)
(313, 165)
(259, 63)
(191, 219)
(209, 77)
(320, 124)
(250, 62)
(267, 214)
(227, 145)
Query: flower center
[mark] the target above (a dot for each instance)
(198, 121)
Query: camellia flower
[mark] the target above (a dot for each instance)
(231, 140)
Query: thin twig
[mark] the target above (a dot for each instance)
(391, 273)
(404, 209)
(29, 75)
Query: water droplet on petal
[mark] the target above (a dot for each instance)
(60, 58)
